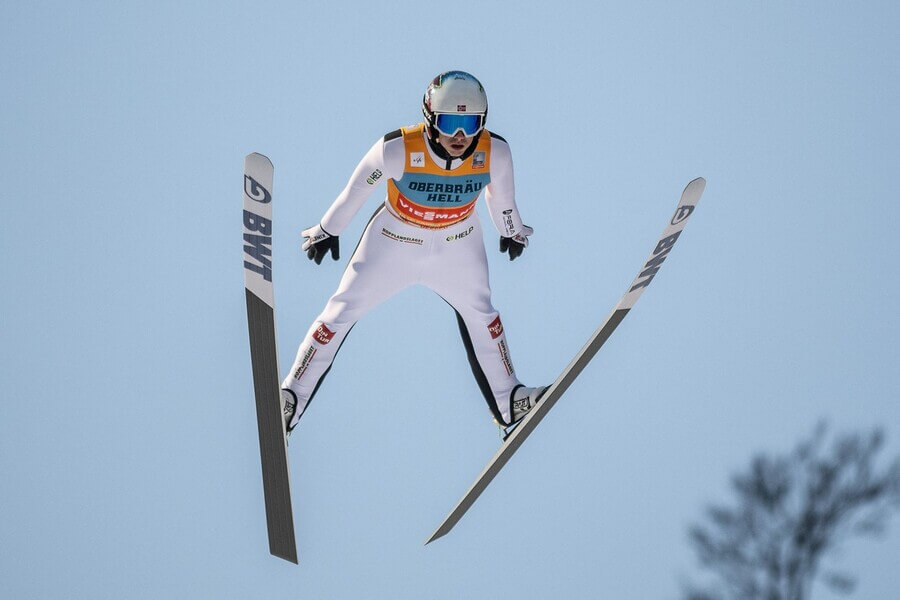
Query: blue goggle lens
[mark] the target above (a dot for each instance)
(450, 123)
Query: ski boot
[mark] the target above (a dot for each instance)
(521, 400)
(288, 408)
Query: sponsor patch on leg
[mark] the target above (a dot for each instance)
(322, 334)
(496, 328)
(304, 362)
(504, 357)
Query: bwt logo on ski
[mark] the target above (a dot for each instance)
(682, 213)
(255, 191)
(496, 328)
(659, 255)
(322, 334)
(258, 246)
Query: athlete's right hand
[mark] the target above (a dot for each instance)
(319, 242)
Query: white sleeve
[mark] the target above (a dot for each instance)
(381, 161)
(500, 193)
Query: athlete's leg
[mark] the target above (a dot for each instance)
(385, 262)
(459, 274)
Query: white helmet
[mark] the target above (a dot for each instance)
(455, 100)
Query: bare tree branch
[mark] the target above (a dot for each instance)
(789, 512)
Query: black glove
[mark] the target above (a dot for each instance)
(319, 242)
(512, 246)
(516, 244)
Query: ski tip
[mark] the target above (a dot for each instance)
(699, 184)
(257, 157)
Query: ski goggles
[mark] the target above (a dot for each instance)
(450, 123)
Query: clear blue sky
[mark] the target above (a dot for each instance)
(128, 452)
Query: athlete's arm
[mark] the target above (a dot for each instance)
(500, 193)
(383, 160)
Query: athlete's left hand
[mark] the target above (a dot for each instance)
(516, 244)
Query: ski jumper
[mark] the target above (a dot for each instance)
(427, 233)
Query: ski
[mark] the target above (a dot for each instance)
(517, 436)
(257, 239)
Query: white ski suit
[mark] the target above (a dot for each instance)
(427, 232)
